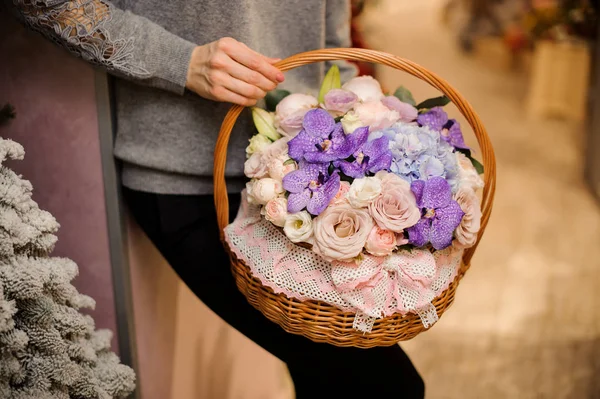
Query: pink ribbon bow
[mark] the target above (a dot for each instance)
(382, 286)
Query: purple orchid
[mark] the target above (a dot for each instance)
(311, 187)
(322, 140)
(370, 157)
(441, 214)
(437, 119)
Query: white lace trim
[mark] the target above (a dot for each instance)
(401, 283)
(80, 27)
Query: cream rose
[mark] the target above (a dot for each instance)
(373, 114)
(396, 208)
(290, 112)
(381, 242)
(466, 232)
(298, 227)
(467, 174)
(250, 191)
(365, 87)
(257, 143)
(351, 122)
(276, 211)
(341, 232)
(364, 191)
(263, 190)
(281, 166)
(257, 165)
(342, 194)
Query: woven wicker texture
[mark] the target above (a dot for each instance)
(321, 322)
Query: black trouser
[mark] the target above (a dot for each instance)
(184, 229)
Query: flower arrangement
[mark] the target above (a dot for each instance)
(356, 173)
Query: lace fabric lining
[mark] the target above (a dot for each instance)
(80, 27)
(376, 288)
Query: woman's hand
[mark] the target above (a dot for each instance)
(227, 70)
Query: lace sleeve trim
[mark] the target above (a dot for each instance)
(80, 26)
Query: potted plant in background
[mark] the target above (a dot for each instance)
(561, 33)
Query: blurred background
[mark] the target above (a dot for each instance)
(526, 320)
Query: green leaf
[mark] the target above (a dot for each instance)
(345, 178)
(274, 97)
(465, 151)
(406, 247)
(404, 95)
(477, 165)
(332, 81)
(434, 102)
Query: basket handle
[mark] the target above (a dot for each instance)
(354, 54)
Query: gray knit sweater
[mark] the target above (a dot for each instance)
(165, 134)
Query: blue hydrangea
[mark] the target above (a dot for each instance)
(419, 153)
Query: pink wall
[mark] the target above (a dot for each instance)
(56, 122)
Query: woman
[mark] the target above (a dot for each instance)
(181, 63)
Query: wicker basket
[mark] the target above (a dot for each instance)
(319, 321)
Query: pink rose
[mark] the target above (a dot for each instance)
(401, 240)
(276, 211)
(254, 167)
(281, 166)
(365, 87)
(467, 174)
(290, 112)
(407, 112)
(338, 101)
(466, 232)
(381, 242)
(341, 232)
(342, 193)
(396, 208)
(375, 115)
(257, 165)
(261, 191)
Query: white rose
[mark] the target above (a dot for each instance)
(351, 122)
(466, 232)
(364, 191)
(298, 227)
(263, 190)
(467, 174)
(290, 112)
(250, 191)
(375, 115)
(276, 211)
(257, 144)
(254, 167)
(281, 166)
(365, 87)
(257, 165)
